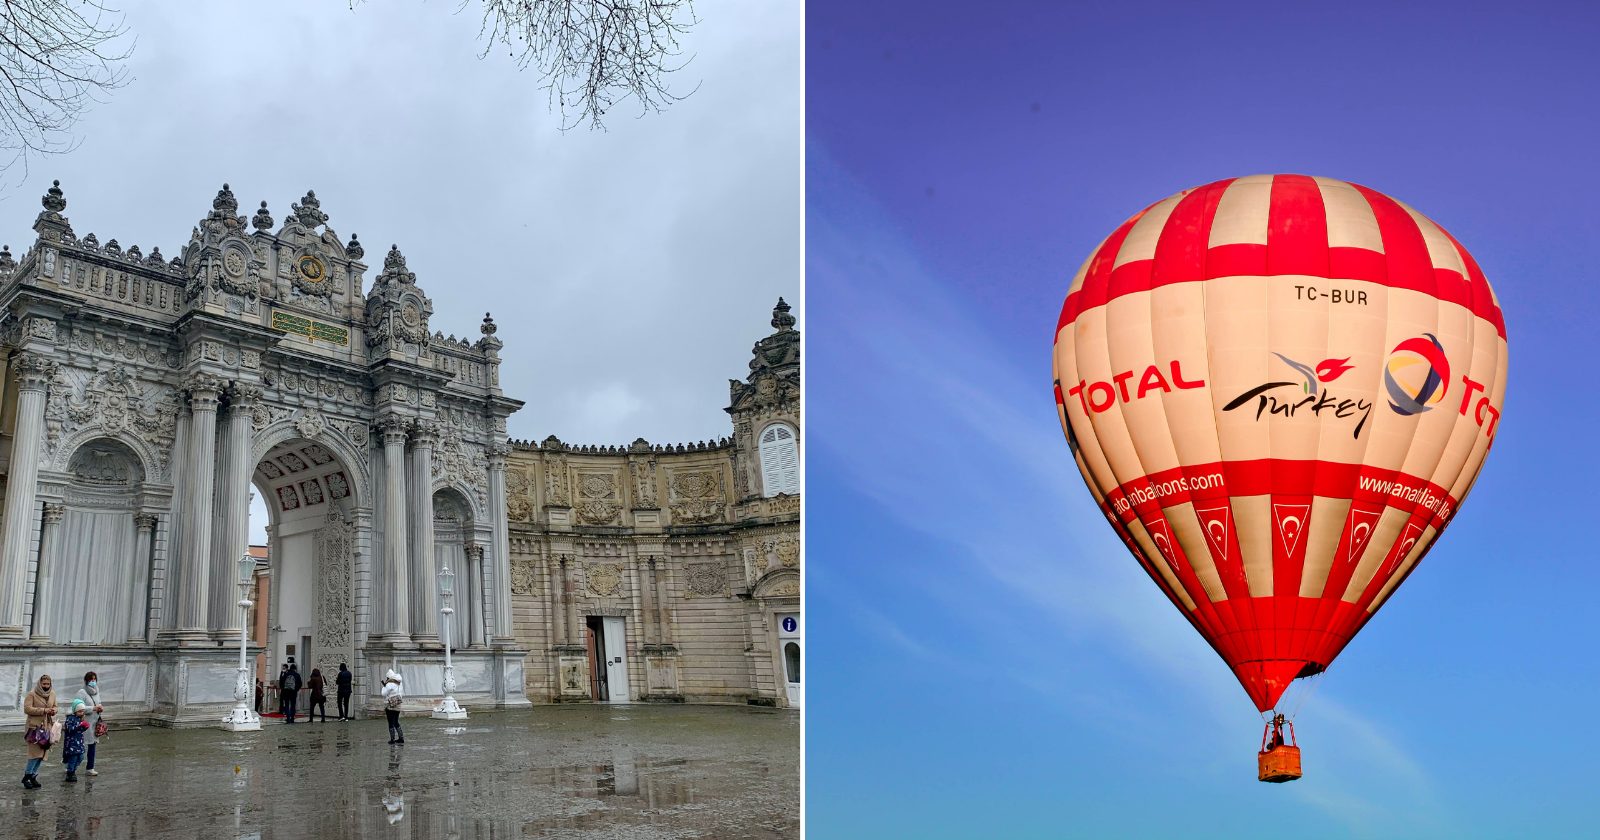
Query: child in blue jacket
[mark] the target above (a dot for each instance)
(72, 730)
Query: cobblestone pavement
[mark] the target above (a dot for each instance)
(627, 772)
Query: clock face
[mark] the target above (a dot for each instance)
(410, 315)
(311, 269)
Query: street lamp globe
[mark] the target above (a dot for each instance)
(447, 581)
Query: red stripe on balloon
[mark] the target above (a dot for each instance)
(1248, 260)
(1181, 249)
(1297, 227)
(1098, 276)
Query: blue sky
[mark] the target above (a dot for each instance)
(985, 660)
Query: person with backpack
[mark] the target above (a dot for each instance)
(393, 699)
(290, 685)
(344, 680)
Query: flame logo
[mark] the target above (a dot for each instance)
(1326, 370)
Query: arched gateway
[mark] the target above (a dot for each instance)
(145, 400)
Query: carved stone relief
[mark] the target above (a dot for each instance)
(114, 403)
(524, 575)
(598, 502)
(519, 496)
(603, 578)
(696, 496)
(705, 578)
(334, 642)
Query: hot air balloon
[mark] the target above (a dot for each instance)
(1279, 390)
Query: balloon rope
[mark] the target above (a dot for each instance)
(1314, 680)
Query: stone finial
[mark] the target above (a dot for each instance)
(7, 264)
(354, 250)
(488, 327)
(91, 241)
(394, 268)
(262, 220)
(782, 321)
(53, 200)
(155, 259)
(309, 210)
(225, 203)
(113, 248)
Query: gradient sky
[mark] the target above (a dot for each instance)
(630, 270)
(985, 659)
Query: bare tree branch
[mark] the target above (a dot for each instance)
(57, 57)
(594, 54)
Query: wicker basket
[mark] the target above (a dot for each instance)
(1279, 764)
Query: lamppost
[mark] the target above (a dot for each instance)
(243, 718)
(447, 708)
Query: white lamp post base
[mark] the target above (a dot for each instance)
(449, 710)
(242, 720)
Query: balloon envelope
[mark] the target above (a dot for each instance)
(1279, 389)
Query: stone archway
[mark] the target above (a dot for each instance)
(311, 498)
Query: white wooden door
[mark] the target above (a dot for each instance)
(616, 660)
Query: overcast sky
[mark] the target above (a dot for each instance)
(630, 270)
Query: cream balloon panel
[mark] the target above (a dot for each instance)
(1144, 359)
(1130, 368)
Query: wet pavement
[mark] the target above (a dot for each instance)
(626, 772)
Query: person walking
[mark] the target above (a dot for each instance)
(344, 680)
(72, 740)
(40, 707)
(283, 707)
(290, 686)
(393, 699)
(90, 695)
(260, 692)
(318, 698)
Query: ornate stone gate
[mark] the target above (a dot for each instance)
(144, 397)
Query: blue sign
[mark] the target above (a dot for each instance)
(789, 624)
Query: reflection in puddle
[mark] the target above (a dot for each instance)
(669, 773)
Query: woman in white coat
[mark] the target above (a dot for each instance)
(393, 699)
(90, 695)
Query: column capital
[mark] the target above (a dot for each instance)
(474, 550)
(145, 522)
(392, 428)
(33, 371)
(496, 451)
(425, 433)
(204, 389)
(242, 396)
(54, 512)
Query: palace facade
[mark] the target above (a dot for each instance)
(143, 399)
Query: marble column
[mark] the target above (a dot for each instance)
(193, 580)
(139, 602)
(501, 552)
(232, 508)
(658, 571)
(396, 607)
(33, 373)
(49, 535)
(425, 584)
(474, 600)
(555, 582)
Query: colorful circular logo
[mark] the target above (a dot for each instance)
(1417, 375)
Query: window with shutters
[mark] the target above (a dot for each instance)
(780, 460)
